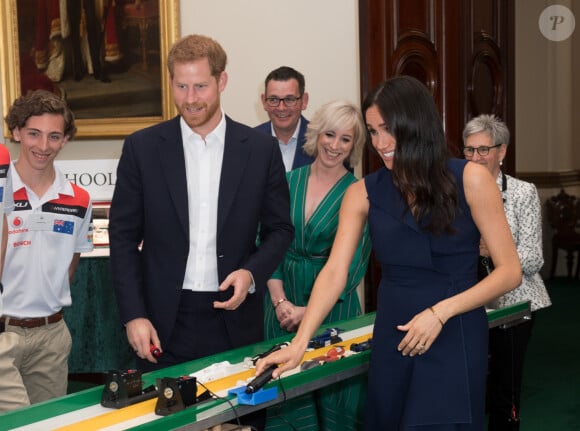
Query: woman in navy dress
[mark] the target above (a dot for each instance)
(425, 213)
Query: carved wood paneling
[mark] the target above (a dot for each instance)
(490, 68)
(463, 50)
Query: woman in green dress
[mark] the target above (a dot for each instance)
(335, 137)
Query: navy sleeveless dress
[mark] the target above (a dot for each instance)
(444, 388)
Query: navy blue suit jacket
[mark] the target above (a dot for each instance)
(300, 157)
(150, 204)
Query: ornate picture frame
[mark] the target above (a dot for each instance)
(115, 89)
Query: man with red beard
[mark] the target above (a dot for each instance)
(194, 192)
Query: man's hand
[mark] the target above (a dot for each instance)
(240, 280)
(141, 334)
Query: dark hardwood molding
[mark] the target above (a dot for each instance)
(550, 180)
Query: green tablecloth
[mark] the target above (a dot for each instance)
(99, 340)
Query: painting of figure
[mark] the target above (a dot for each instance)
(105, 57)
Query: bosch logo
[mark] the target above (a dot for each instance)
(21, 243)
(17, 222)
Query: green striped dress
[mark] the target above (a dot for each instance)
(340, 406)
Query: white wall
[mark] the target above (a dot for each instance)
(547, 94)
(545, 127)
(319, 38)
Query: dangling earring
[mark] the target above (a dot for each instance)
(501, 162)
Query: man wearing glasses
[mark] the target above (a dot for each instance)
(284, 100)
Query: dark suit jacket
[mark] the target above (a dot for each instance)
(150, 205)
(300, 157)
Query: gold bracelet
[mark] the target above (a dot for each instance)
(437, 316)
(280, 301)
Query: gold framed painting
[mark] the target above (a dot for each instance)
(107, 58)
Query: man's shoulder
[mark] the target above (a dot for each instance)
(264, 127)
(242, 131)
(302, 132)
(72, 198)
(163, 128)
(81, 195)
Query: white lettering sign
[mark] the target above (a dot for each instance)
(98, 177)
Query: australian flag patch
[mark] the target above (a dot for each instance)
(63, 226)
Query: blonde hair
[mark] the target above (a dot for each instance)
(334, 116)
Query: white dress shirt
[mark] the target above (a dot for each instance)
(203, 166)
(288, 150)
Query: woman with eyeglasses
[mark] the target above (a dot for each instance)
(486, 139)
(426, 212)
(335, 135)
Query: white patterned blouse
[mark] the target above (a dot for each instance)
(524, 216)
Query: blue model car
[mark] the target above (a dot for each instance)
(328, 337)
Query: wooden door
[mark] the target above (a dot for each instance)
(462, 50)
